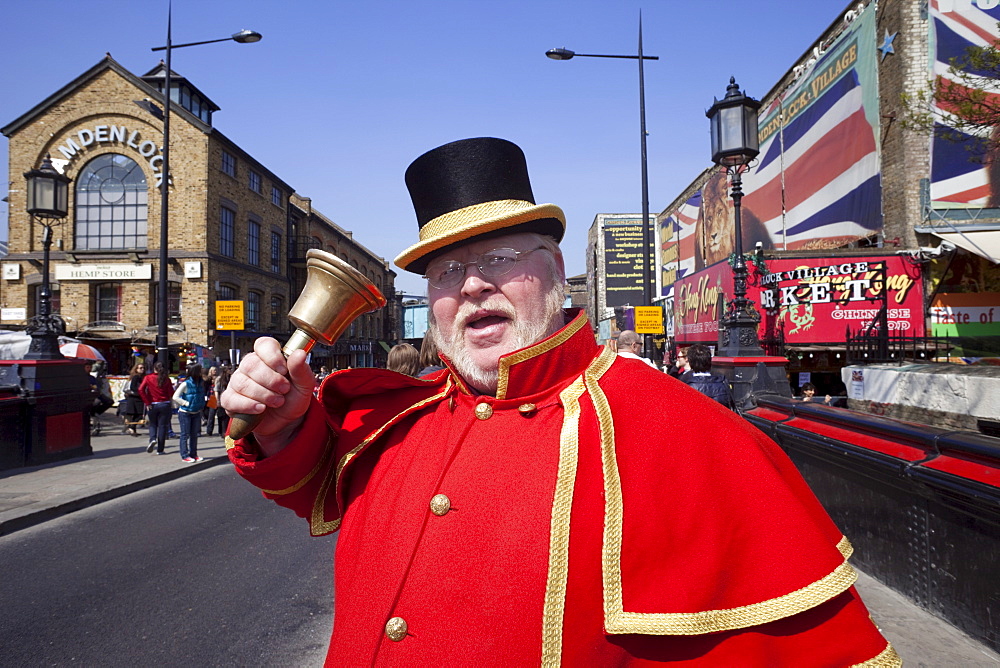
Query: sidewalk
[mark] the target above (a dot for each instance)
(119, 465)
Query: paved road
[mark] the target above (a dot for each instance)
(198, 571)
(173, 570)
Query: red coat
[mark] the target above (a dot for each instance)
(595, 512)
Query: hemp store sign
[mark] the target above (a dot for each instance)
(104, 272)
(78, 142)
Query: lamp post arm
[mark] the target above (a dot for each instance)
(181, 46)
(598, 55)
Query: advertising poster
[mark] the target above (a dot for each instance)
(623, 262)
(807, 301)
(965, 314)
(816, 183)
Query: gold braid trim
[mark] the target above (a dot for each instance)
(616, 620)
(562, 506)
(534, 351)
(317, 524)
(887, 658)
(461, 218)
(327, 454)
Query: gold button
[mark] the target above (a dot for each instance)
(395, 628)
(526, 409)
(440, 504)
(484, 411)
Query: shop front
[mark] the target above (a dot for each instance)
(809, 306)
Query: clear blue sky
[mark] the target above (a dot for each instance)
(339, 96)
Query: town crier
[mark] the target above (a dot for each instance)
(540, 500)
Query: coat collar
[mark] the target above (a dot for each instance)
(554, 360)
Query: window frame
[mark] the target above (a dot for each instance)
(275, 252)
(227, 231)
(228, 163)
(253, 242)
(255, 182)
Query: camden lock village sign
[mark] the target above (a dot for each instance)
(77, 143)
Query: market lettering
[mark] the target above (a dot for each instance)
(823, 80)
(813, 273)
(819, 83)
(115, 134)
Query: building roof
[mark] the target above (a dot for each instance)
(107, 63)
(160, 72)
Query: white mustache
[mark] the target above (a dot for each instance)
(467, 312)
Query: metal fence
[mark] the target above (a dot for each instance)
(867, 346)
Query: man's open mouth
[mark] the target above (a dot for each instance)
(486, 321)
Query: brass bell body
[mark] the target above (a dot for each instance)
(334, 295)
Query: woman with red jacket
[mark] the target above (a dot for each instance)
(156, 390)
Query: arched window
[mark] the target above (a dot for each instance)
(111, 197)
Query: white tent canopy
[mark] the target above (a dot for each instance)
(984, 243)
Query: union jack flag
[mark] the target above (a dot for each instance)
(957, 177)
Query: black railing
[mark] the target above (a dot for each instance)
(875, 346)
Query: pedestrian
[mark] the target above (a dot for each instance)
(429, 360)
(679, 365)
(404, 358)
(545, 501)
(190, 399)
(212, 404)
(220, 385)
(99, 388)
(700, 377)
(809, 394)
(155, 390)
(133, 405)
(630, 345)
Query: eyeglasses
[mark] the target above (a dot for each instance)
(442, 274)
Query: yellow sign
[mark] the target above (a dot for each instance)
(229, 315)
(648, 320)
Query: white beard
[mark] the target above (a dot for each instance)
(525, 334)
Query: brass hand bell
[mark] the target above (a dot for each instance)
(334, 295)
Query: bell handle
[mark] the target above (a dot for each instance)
(241, 424)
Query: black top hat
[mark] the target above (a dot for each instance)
(473, 188)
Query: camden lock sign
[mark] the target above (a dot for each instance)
(78, 142)
(104, 272)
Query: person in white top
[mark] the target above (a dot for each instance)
(630, 345)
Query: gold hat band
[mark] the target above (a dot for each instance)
(452, 221)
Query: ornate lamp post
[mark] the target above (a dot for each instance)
(48, 197)
(733, 121)
(163, 287)
(647, 237)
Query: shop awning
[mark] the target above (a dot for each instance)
(983, 242)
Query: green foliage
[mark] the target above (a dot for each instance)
(967, 103)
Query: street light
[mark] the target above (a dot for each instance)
(735, 142)
(647, 241)
(243, 37)
(48, 197)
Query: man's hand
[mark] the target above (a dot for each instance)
(266, 381)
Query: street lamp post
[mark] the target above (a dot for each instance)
(48, 196)
(243, 37)
(733, 126)
(647, 237)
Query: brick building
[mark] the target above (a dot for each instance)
(237, 230)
